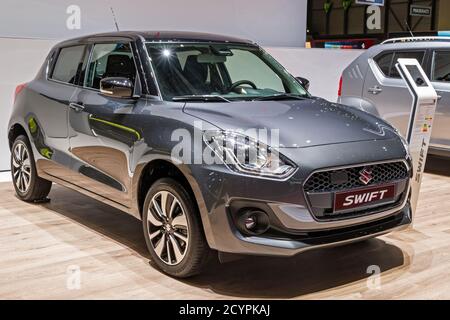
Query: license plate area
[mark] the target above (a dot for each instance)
(363, 198)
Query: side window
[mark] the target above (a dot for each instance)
(387, 61)
(384, 62)
(419, 55)
(110, 60)
(441, 66)
(68, 64)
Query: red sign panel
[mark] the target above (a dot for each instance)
(363, 197)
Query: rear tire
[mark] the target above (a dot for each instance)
(29, 187)
(173, 230)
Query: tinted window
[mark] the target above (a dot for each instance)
(110, 60)
(387, 61)
(384, 62)
(441, 69)
(405, 55)
(68, 64)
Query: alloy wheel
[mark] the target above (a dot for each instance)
(21, 167)
(168, 228)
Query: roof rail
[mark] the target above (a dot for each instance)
(416, 39)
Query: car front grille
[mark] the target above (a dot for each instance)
(349, 178)
(320, 188)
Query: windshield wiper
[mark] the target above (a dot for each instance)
(206, 98)
(280, 96)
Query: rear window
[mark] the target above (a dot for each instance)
(387, 61)
(68, 64)
(384, 62)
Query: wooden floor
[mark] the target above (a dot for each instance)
(40, 244)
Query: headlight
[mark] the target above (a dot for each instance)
(246, 155)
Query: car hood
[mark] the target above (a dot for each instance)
(301, 123)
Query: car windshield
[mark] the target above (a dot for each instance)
(220, 72)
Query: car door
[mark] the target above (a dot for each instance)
(48, 119)
(440, 77)
(101, 141)
(384, 88)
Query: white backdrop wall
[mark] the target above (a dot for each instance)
(322, 67)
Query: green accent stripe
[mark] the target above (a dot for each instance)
(119, 126)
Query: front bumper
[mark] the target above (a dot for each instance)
(297, 243)
(222, 193)
(300, 235)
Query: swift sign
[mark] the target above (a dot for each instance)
(420, 121)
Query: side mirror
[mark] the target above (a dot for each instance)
(304, 82)
(117, 87)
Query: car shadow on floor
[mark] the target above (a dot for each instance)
(438, 165)
(99, 217)
(306, 273)
(249, 277)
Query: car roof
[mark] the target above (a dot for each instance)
(415, 43)
(404, 45)
(416, 40)
(172, 36)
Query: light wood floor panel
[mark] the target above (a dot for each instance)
(38, 243)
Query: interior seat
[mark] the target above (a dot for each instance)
(172, 78)
(119, 65)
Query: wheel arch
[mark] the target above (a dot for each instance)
(14, 131)
(153, 170)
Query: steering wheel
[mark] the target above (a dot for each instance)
(241, 82)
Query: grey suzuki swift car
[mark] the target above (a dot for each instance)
(158, 124)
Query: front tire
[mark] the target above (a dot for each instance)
(28, 185)
(173, 230)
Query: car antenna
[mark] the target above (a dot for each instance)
(114, 17)
(409, 28)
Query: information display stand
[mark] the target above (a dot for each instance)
(421, 119)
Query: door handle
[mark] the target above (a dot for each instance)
(375, 90)
(76, 107)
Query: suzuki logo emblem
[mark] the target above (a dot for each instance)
(365, 175)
